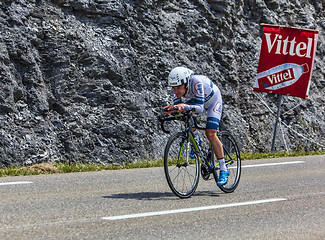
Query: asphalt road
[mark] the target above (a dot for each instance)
(282, 201)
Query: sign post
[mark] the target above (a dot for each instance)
(276, 122)
(286, 63)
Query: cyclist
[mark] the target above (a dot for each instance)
(202, 95)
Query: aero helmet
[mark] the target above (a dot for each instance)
(179, 76)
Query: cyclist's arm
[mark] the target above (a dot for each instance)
(197, 102)
(198, 106)
(184, 107)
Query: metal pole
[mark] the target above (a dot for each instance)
(276, 121)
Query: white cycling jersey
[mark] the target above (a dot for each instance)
(203, 95)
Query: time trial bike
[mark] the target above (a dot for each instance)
(183, 154)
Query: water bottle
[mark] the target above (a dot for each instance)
(280, 76)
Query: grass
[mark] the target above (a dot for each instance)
(54, 168)
(253, 155)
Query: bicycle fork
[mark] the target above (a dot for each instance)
(188, 149)
(185, 148)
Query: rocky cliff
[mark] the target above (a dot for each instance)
(84, 80)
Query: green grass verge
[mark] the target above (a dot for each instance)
(52, 168)
(252, 155)
(49, 168)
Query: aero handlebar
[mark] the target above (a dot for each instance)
(186, 116)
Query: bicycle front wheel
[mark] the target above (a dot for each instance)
(233, 162)
(181, 171)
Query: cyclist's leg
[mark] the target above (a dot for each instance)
(217, 147)
(213, 119)
(215, 142)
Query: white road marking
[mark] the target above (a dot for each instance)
(184, 210)
(272, 164)
(14, 183)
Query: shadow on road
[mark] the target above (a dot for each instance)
(157, 195)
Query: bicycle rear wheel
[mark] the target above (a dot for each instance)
(182, 173)
(233, 162)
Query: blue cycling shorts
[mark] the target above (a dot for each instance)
(214, 115)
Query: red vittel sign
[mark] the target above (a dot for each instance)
(286, 60)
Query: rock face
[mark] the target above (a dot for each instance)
(84, 80)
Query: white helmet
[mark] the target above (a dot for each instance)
(179, 76)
